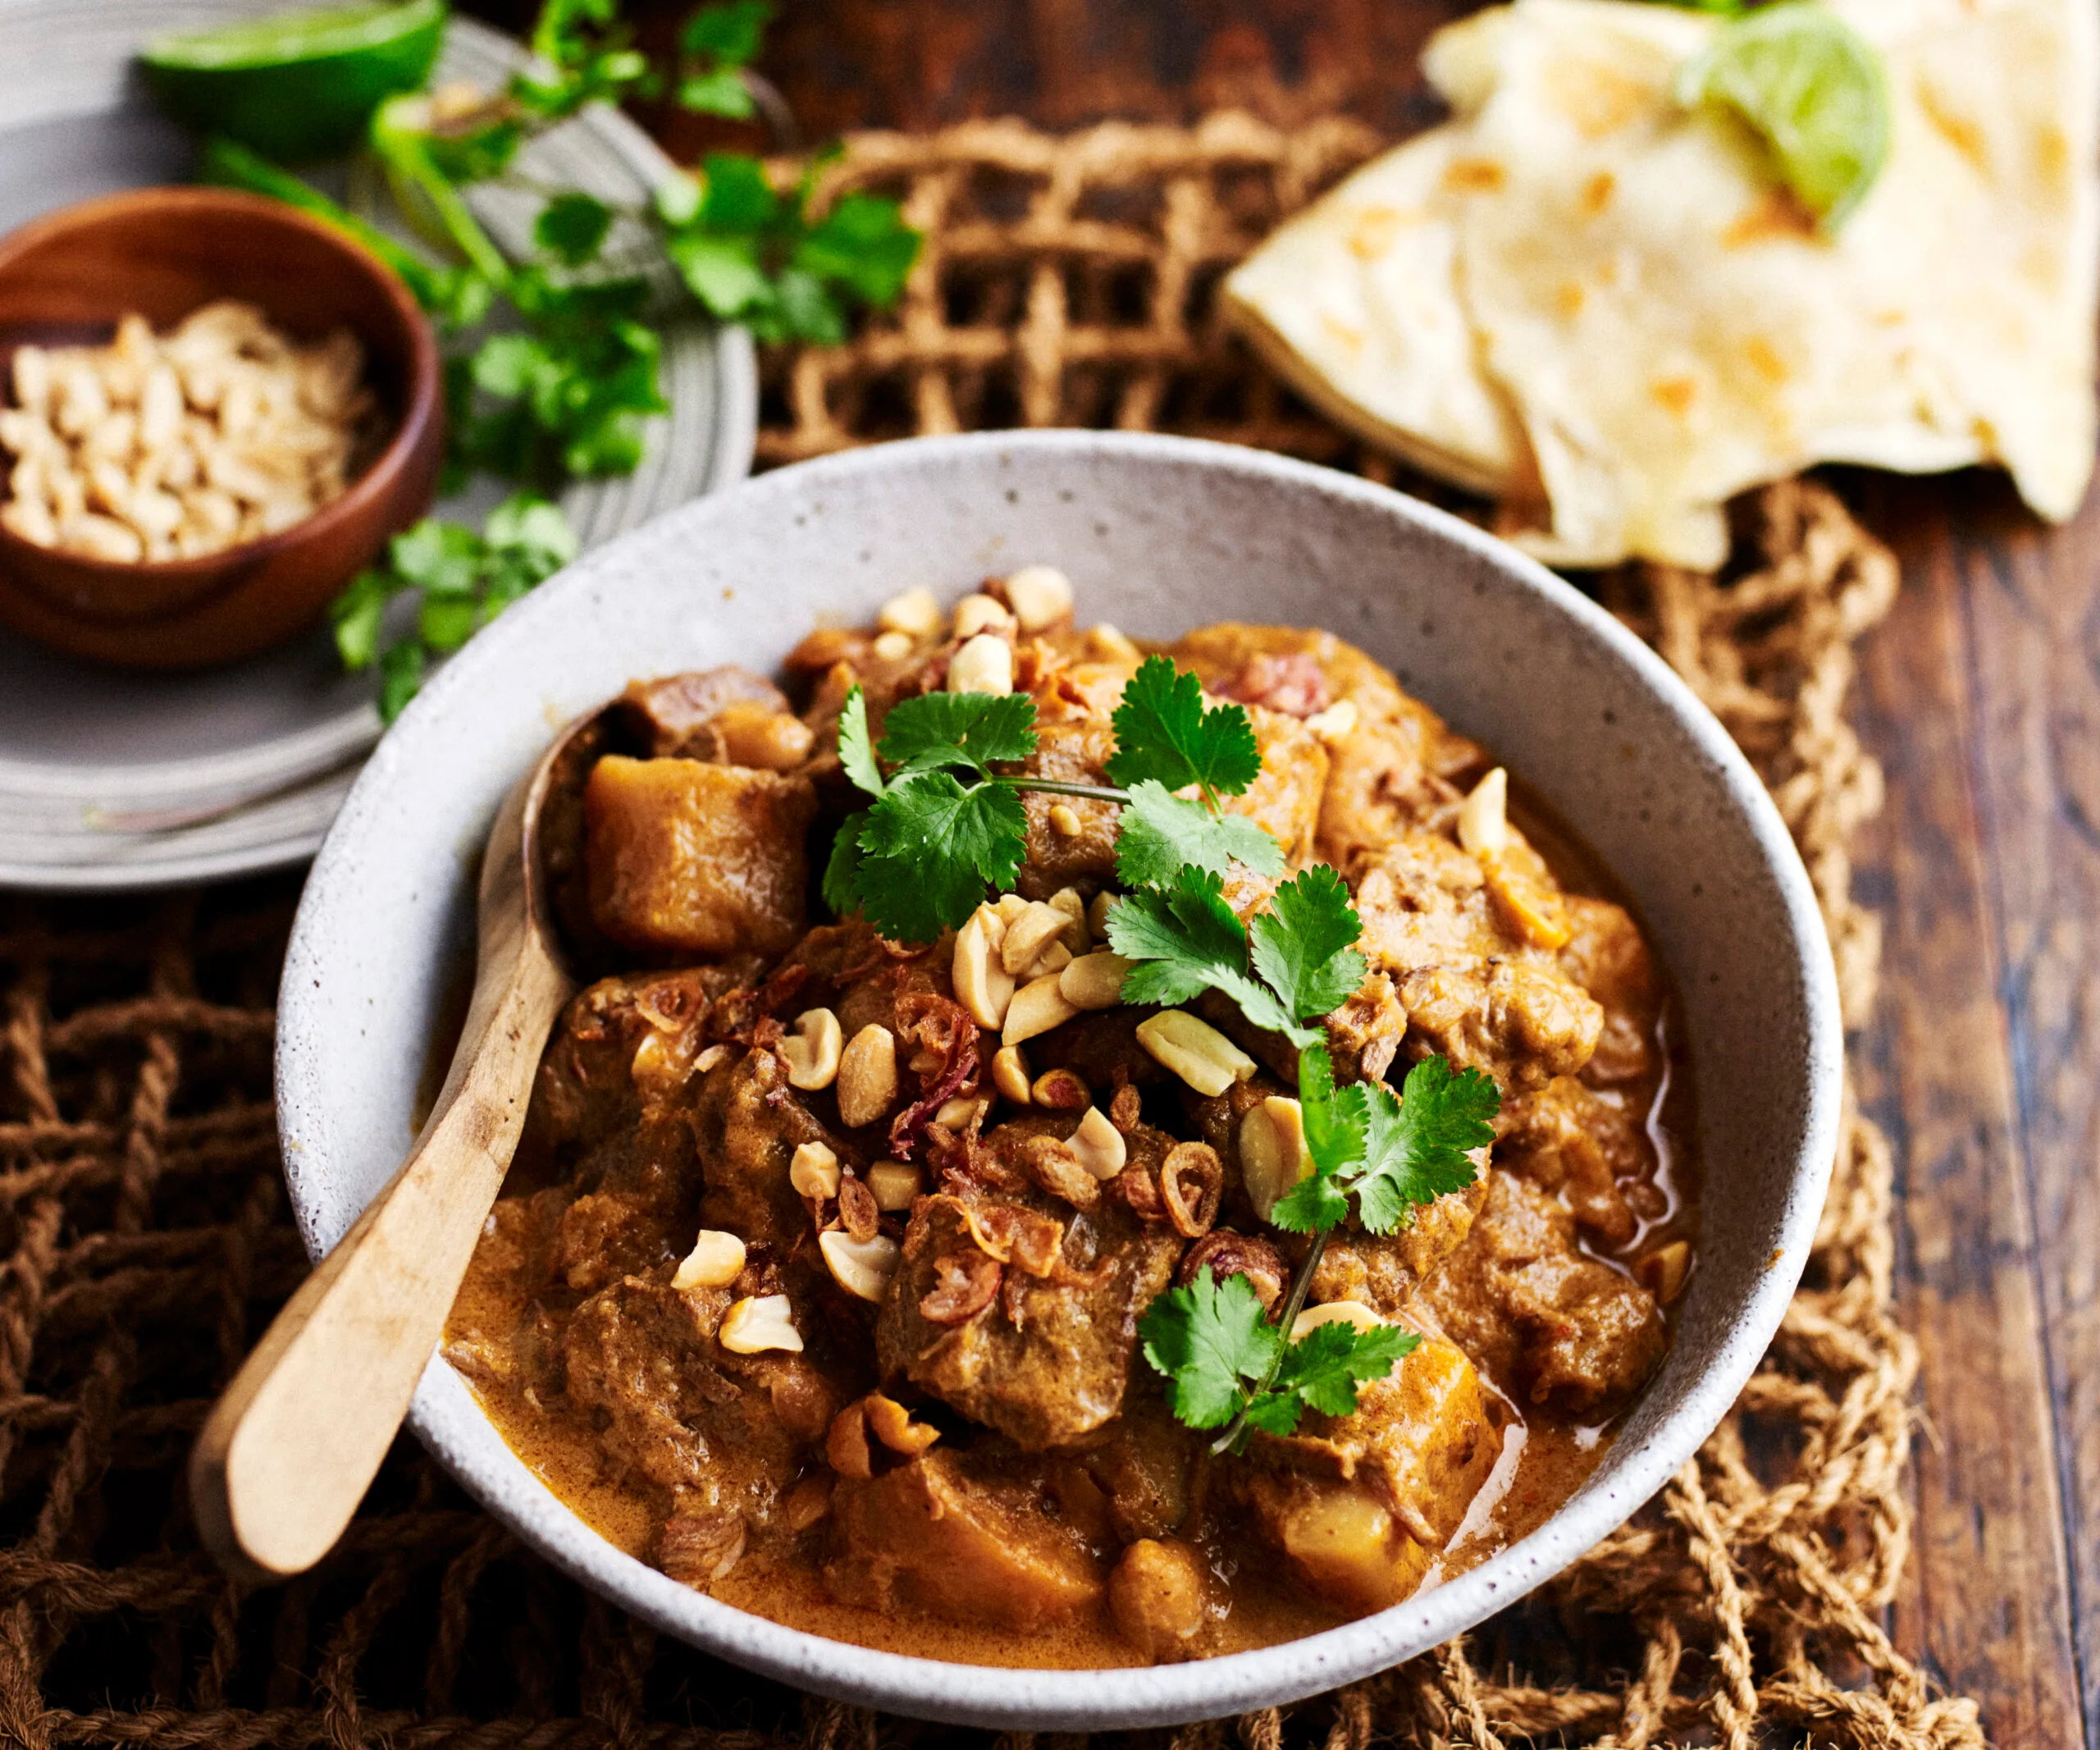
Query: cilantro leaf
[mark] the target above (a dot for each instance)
(855, 752)
(572, 227)
(1415, 1147)
(1323, 1368)
(1336, 1123)
(1305, 944)
(1188, 941)
(1273, 1413)
(726, 39)
(356, 616)
(1205, 1340)
(1163, 732)
(732, 33)
(929, 849)
(462, 580)
(1160, 833)
(965, 729)
(841, 871)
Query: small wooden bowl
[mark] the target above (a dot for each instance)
(67, 279)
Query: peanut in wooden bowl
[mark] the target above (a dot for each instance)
(68, 278)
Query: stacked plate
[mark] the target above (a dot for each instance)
(115, 779)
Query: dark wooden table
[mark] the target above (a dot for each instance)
(1981, 697)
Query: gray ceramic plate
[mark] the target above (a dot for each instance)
(1158, 534)
(115, 779)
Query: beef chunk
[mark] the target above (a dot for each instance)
(1361, 1505)
(1523, 1025)
(1569, 1139)
(1385, 1270)
(1607, 956)
(679, 1410)
(960, 1536)
(688, 858)
(1524, 1301)
(1073, 738)
(607, 1117)
(1390, 773)
(672, 715)
(1472, 991)
(1144, 1463)
(748, 1122)
(1046, 1361)
(1284, 800)
(619, 1054)
(607, 1235)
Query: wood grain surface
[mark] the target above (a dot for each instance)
(1982, 697)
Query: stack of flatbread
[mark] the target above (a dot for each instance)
(1582, 298)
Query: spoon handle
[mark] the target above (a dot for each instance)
(289, 1451)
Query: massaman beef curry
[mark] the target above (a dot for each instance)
(817, 1278)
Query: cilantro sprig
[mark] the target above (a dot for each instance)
(1226, 1366)
(945, 824)
(563, 385)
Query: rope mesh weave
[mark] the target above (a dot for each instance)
(146, 1239)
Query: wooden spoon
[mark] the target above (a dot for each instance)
(289, 1451)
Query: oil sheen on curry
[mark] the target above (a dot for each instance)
(817, 1281)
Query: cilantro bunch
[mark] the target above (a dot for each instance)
(562, 384)
(463, 581)
(945, 825)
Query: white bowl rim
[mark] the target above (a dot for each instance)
(444, 1414)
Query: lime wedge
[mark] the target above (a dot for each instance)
(1813, 87)
(298, 85)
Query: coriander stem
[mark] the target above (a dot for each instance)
(1099, 793)
(1294, 1304)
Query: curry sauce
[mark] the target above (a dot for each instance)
(893, 1393)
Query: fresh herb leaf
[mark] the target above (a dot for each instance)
(965, 729)
(1336, 1122)
(1415, 1148)
(861, 243)
(929, 850)
(1160, 833)
(730, 35)
(753, 255)
(856, 751)
(574, 227)
(400, 677)
(1322, 1370)
(356, 616)
(1163, 732)
(1305, 945)
(718, 42)
(591, 55)
(1224, 1362)
(841, 871)
(1187, 941)
(1210, 1340)
(462, 580)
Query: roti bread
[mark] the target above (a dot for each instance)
(1580, 296)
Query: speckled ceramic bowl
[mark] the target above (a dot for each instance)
(1159, 534)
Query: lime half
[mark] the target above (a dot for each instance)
(299, 85)
(1813, 87)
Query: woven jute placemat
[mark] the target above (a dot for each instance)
(146, 1239)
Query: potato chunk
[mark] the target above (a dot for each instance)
(1361, 1505)
(947, 1535)
(685, 858)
